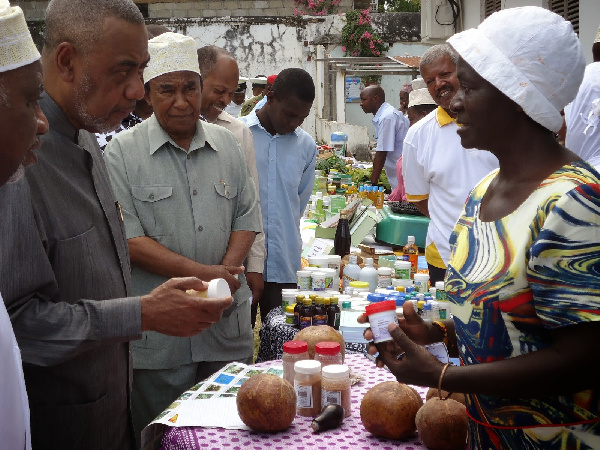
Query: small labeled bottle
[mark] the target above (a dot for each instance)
(402, 270)
(306, 313)
(342, 239)
(411, 253)
(421, 282)
(328, 353)
(289, 315)
(293, 351)
(440, 291)
(384, 277)
(351, 272)
(379, 198)
(299, 300)
(307, 383)
(335, 387)
(333, 313)
(319, 312)
(381, 314)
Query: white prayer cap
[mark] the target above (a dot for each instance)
(418, 83)
(16, 46)
(597, 38)
(420, 97)
(171, 52)
(531, 55)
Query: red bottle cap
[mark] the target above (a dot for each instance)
(388, 305)
(295, 347)
(328, 348)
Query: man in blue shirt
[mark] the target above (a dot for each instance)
(390, 128)
(285, 159)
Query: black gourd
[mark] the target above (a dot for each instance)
(331, 416)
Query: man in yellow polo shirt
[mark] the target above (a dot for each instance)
(438, 172)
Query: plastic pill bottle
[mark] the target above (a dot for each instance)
(318, 281)
(381, 314)
(293, 351)
(328, 353)
(335, 387)
(421, 282)
(307, 383)
(402, 270)
(384, 277)
(304, 281)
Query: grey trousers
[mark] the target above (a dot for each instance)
(154, 390)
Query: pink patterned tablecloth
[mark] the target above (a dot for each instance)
(351, 436)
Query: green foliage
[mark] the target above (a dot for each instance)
(399, 6)
(332, 163)
(364, 176)
(359, 38)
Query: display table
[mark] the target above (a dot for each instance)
(274, 332)
(351, 435)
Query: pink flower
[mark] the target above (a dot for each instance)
(378, 53)
(354, 54)
(343, 48)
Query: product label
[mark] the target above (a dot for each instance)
(304, 398)
(346, 281)
(319, 320)
(304, 283)
(379, 326)
(305, 322)
(336, 321)
(384, 281)
(443, 314)
(422, 286)
(441, 296)
(289, 319)
(402, 274)
(330, 398)
(284, 304)
(328, 282)
(318, 284)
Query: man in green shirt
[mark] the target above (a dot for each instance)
(189, 207)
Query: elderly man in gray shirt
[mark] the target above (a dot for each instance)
(190, 209)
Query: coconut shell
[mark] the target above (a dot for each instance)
(266, 402)
(443, 424)
(320, 333)
(388, 410)
(433, 392)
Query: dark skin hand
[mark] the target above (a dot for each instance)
(572, 367)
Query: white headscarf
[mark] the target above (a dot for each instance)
(420, 94)
(16, 46)
(531, 55)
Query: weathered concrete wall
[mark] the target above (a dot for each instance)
(168, 9)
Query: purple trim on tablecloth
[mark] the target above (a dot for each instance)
(351, 436)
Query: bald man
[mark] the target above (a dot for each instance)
(390, 128)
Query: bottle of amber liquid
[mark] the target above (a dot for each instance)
(333, 313)
(306, 313)
(319, 312)
(342, 239)
(411, 253)
(297, 308)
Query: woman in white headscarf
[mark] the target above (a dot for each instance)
(523, 278)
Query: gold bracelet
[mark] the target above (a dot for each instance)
(441, 378)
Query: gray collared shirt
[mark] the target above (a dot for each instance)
(190, 202)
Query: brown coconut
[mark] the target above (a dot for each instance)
(266, 402)
(443, 424)
(388, 410)
(433, 392)
(320, 333)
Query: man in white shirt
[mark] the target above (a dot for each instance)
(582, 116)
(438, 172)
(21, 121)
(390, 128)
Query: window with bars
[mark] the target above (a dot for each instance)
(491, 6)
(569, 9)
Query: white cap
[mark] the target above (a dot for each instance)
(171, 52)
(418, 83)
(16, 45)
(259, 80)
(597, 38)
(420, 97)
(307, 366)
(218, 288)
(531, 55)
(336, 371)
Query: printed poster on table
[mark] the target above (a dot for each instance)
(210, 403)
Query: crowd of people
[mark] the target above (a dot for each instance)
(140, 186)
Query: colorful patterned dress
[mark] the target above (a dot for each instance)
(513, 280)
